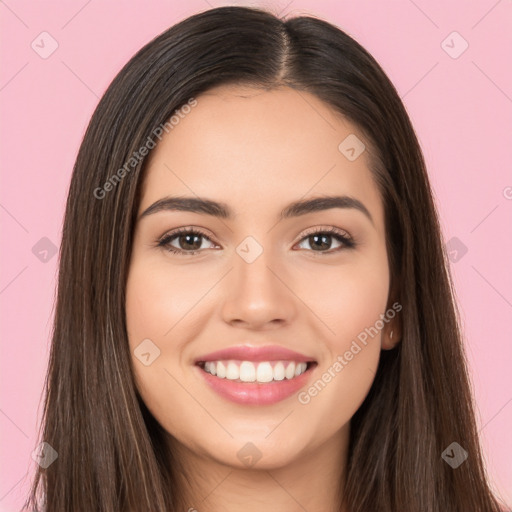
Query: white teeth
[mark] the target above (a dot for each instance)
(233, 372)
(279, 371)
(290, 371)
(264, 373)
(247, 371)
(210, 368)
(221, 369)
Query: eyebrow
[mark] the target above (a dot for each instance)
(221, 210)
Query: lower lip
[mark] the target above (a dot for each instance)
(254, 393)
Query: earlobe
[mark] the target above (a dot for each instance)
(392, 331)
(391, 336)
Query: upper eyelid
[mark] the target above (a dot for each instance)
(330, 229)
(309, 231)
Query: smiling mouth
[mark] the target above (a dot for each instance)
(258, 372)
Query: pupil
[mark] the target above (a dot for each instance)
(325, 245)
(186, 238)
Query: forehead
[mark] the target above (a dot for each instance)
(252, 147)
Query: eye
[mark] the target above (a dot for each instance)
(320, 238)
(189, 240)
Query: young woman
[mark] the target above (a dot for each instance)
(254, 305)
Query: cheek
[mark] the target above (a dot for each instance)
(151, 303)
(360, 304)
(162, 305)
(349, 301)
(156, 300)
(351, 305)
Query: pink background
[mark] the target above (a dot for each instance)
(461, 109)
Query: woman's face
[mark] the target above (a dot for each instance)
(254, 279)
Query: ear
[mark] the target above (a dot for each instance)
(392, 330)
(392, 333)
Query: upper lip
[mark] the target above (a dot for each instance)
(250, 353)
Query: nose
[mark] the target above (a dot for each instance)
(258, 294)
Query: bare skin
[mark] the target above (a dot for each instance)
(257, 151)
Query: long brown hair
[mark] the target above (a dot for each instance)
(112, 454)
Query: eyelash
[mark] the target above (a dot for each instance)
(164, 242)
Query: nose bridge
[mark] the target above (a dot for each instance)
(252, 267)
(256, 293)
